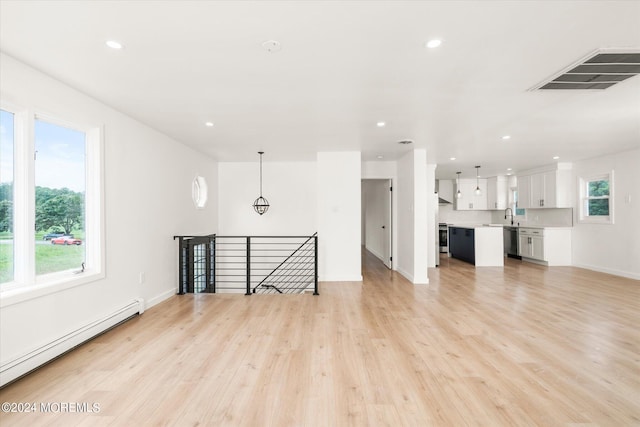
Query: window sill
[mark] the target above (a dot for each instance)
(49, 285)
(596, 221)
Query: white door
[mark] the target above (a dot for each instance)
(387, 219)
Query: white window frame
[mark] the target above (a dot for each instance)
(583, 198)
(26, 285)
(513, 195)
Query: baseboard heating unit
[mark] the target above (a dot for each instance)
(22, 365)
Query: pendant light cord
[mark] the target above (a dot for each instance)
(261, 153)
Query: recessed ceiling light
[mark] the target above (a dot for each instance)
(381, 124)
(452, 158)
(556, 157)
(509, 169)
(209, 124)
(506, 137)
(113, 44)
(434, 43)
(381, 157)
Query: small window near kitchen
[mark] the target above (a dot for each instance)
(514, 204)
(596, 199)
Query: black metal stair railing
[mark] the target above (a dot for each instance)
(249, 264)
(295, 273)
(196, 264)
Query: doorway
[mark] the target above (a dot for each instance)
(377, 219)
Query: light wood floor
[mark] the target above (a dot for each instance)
(521, 346)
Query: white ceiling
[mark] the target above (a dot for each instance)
(343, 67)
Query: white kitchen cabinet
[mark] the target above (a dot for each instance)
(531, 243)
(524, 192)
(469, 200)
(549, 246)
(497, 193)
(545, 189)
(536, 190)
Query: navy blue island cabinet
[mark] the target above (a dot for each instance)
(462, 244)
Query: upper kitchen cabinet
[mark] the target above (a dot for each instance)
(524, 191)
(469, 200)
(545, 188)
(497, 193)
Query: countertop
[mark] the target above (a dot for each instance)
(474, 226)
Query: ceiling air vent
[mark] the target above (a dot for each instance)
(599, 70)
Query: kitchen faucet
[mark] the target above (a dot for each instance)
(511, 212)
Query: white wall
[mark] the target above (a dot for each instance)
(363, 232)
(421, 217)
(147, 200)
(379, 170)
(339, 216)
(412, 216)
(432, 209)
(612, 248)
(405, 229)
(290, 188)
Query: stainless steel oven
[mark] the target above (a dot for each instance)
(443, 233)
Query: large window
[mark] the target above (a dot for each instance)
(596, 199)
(6, 196)
(59, 196)
(50, 203)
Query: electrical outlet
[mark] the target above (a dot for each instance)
(141, 277)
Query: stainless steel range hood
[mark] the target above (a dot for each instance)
(444, 187)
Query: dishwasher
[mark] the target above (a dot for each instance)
(511, 242)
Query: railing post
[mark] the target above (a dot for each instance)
(213, 263)
(190, 267)
(248, 266)
(181, 266)
(315, 249)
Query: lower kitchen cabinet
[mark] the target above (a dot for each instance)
(532, 244)
(480, 245)
(549, 246)
(462, 244)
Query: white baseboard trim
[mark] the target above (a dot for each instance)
(376, 253)
(406, 274)
(354, 278)
(627, 274)
(162, 297)
(22, 365)
(411, 278)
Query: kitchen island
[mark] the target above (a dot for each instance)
(479, 244)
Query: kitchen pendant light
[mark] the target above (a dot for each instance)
(261, 205)
(458, 193)
(478, 191)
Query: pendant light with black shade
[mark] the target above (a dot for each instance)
(261, 205)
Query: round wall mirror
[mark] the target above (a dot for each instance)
(199, 192)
